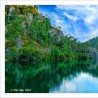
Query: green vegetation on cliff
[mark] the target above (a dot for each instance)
(29, 36)
(93, 42)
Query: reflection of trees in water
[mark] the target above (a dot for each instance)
(40, 77)
(93, 68)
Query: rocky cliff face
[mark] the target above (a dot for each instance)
(19, 42)
(30, 36)
(25, 26)
(56, 34)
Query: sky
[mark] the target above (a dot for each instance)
(81, 21)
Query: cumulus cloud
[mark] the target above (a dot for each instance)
(57, 21)
(80, 21)
(88, 14)
(56, 18)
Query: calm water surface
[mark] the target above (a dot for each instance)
(84, 83)
(46, 77)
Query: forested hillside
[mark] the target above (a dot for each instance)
(29, 36)
(93, 43)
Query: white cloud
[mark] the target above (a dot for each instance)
(59, 21)
(88, 14)
(70, 16)
(93, 34)
(56, 18)
(81, 22)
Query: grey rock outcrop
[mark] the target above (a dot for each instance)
(19, 42)
(57, 33)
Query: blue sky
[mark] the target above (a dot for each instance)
(77, 20)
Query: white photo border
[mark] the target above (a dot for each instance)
(2, 50)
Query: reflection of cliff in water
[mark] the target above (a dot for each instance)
(86, 80)
(40, 77)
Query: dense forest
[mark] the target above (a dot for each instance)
(31, 37)
(38, 55)
(93, 43)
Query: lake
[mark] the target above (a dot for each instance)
(52, 77)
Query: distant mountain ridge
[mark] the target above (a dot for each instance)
(93, 42)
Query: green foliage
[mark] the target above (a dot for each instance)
(93, 42)
(33, 38)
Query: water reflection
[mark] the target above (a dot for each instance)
(84, 83)
(50, 77)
